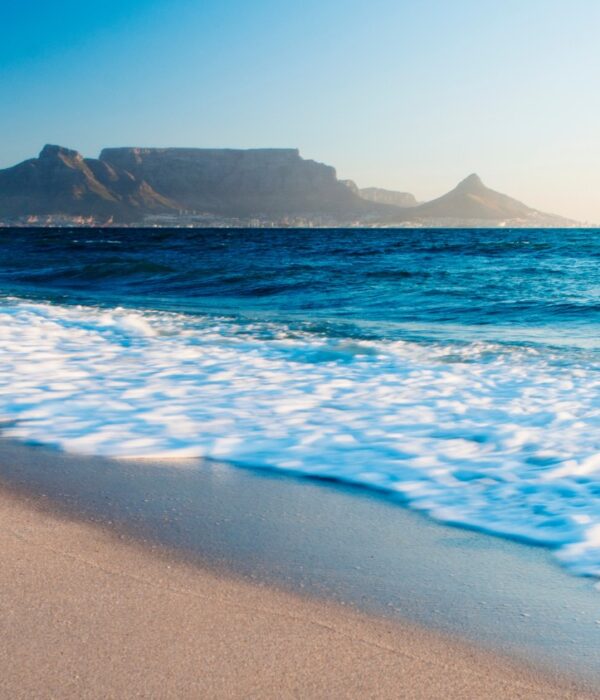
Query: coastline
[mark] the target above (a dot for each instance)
(317, 548)
(78, 600)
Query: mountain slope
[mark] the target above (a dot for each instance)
(382, 196)
(378, 195)
(472, 200)
(61, 181)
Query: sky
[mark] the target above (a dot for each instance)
(400, 94)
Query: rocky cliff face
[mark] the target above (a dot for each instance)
(237, 182)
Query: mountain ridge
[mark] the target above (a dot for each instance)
(188, 186)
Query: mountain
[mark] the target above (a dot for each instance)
(195, 186)
(471, 200)
(272, 182)
(61, 181)
(128, 184)
(381, 196)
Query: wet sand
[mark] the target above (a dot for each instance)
(144, 572)
(86, 612)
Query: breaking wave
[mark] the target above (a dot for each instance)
(503, 438)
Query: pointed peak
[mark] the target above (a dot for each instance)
(471, 183)
(51, 151)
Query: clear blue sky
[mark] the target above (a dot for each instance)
(412, 95)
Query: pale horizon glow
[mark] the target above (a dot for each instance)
(395, 94)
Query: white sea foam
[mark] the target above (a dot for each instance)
(506, 440)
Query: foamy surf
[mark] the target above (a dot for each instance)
(503, 439)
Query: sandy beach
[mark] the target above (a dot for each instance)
(88, 613)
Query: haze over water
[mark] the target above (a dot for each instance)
(458, 369)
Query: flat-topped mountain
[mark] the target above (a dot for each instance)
(192, 186)
(266, 181)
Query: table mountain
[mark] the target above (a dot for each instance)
(271, 182)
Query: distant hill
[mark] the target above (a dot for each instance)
(472, 200)
(169, 186)
(382, 196)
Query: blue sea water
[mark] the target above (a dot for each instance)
(458, 369)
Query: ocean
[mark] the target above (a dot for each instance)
(456, 370)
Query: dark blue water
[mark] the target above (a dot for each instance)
(458, 370)
(503, 284)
